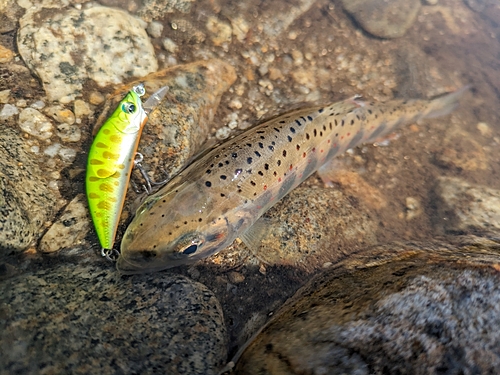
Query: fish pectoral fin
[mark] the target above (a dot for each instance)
(254, 235)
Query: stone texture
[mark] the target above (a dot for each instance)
(419, 308)
(67, 47)
(464, 207)
(383, 18)
(83, 319)
(25, 200)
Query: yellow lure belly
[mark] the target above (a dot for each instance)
(110, 164)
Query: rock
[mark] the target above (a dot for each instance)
(67, 47)
(155, 29)
(463, 207)
(69, 133)
(25, 200)
(220, 31)
(179, 126)
(35, 123)
(10, 12)
(156, 9)
(61, 114)
(383, 18)
(460, 150)
(301, 230)
(70, 228)
(81, 109)
(420, 308)
(7, 111)
(6, 55)
(79, 318)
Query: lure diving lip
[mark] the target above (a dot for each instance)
(110, 162)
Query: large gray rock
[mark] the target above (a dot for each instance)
(81, 319)
(67, 47)
(26, 202)
(414, 309)
(383, 18)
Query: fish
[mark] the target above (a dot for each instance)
(110, 161)
(222, 195)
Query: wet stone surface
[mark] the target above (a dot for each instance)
(82, 318)
(420, 308)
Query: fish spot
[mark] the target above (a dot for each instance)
(226, 162)
(234, 155)
(116, 183)
(208, 184)
(106, 131)
(324, 127)
(110, 155)
(308, 136)
(101, 145)
(289, 139)
(249, 144)
(298, 122)
(284, 153)
(265, 187)
(279, 179)
(352, 122)
(275, 173)
(115, 138)
(320, 110)
(261, 145)
(249, 160)
(303, 118)
(257, 153)
(304, 155)
(220, 165)
(103, 173)
(330, 125)
(253, 183)
(320, 133)
(239, 191)
(103, 205)
(342, 123)
(291, 166)
(292, 129)
(223, 177)
(310, 118)
(208, 171)
(370, 111)
(297, 147)
(271, 148)
(266, 167)
(282, 121)
(278, 162)
(315, 132)
(94, 179)
(94, 196)
(276, 129)
(262, 137)
(260, 173)
(96, 162)
(336, 122)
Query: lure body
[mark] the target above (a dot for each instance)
(222, 195)
(110, 164)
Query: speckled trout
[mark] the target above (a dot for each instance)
(221, 196)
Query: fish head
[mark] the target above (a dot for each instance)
(130, 114)
(175, 228)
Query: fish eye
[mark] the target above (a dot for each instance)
(192, 248)
(128, 107)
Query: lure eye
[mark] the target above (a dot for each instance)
(128, 108)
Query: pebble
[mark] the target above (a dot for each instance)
(26, 201)
(155, 29)
(81, 108)
(413, 208)
(4, 96)
(39, 104)
(223, 133)
(70, 228)
(6, 55)
(385, 19)
(409, 308)
(35, 123)
(484, 129)
(69, 133)
(96, 98)
(170, 45)
(7, 111)
(221, 31)
(61, 114)
(465, 207)
(52, 150)
(67, 155)
(82, 318)
(49, 41)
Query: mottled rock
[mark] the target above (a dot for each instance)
(463, 207)
(35, 123)
(70, 228)
(25, 200)
(179, 126)
(155, 9)
(420, 308)
(80, 319)
(67, 47)
(460, 150)
(301, 230)
(383, 18)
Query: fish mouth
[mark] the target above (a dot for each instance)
(126, 267)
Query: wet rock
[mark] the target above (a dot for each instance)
(25, 200)
(463, 207)
(35, 123)
(80, 319)
(155, 9)
(67, 47)
(179, 126)
(420, 308)
(461, 151)
(70, 228)
(300, 231)
(383, 18)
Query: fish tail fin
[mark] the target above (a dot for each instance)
(445, 104)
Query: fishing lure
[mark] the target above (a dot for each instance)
(110, 162)
(222, 195)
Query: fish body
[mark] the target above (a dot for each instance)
(220, 197)
(110, 164)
